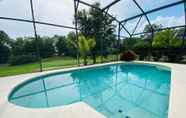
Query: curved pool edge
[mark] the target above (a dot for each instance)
(7, 84)
(158, 66)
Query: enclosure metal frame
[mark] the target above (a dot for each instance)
(121, 24)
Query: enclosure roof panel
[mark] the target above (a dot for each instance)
(60, 13)
(152, 4)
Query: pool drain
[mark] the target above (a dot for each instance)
(127, 117)
(120, 111)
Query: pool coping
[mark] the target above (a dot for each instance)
(177, 101)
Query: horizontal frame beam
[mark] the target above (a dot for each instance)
(111, 4)
(166, 28)
(37, 22)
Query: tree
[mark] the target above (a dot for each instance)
(30, 45)
(141, 47)
(4, 47)
(95, 24)
(85, 46)
(72, 44)
(148, 28)
(129, 43)
(4, 53)
(180, 34)
(4, 38)
(27, 46)
(166, 39)
(47, 49)
(61, 45)
(142, 44)
(18, 46)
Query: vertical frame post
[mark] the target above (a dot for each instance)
(76, 4)
(119, 40)
(104, 32)
(183, 42)
(151, 47)
(102, 43)
(36, 36)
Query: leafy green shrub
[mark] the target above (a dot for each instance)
(85, 46)
(166, 39)
(142, 49)
(174, 55)
(157, 53)
(4, 54)
(22, 59)
(128, 56)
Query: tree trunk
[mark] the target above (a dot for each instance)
(85, 60)
(94, 58)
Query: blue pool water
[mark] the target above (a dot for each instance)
(134, 90)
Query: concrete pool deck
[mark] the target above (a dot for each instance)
(177, 104)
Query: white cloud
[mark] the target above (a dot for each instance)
(16, 29)
(167, 21)
(55, 11)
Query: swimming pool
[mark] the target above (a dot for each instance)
(134, 90)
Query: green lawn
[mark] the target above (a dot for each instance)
(48, 64)
(6, 70)
(58, 62)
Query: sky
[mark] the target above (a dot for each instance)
(61, 12)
